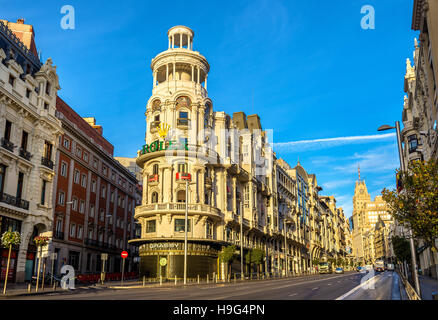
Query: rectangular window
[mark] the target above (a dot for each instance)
(180, 223)
(182, 167)
(92, 211)
(11, 80)
(75, 204)
(61, 198)
(20, 185)
(43, 192)
(79, 152)
(76, 176)
(151, 226)
(95, 163)
(102, 215)
(8, 128)
(24, 137)
(28, 93)
(58, 225)
(85, 156)
(84, 181)
(82, 206)
(72, 230)
(2, 177)
(93, 185)
(66, 143)
(79, 232)
(48, 147)
(103, 194)
(63, 169)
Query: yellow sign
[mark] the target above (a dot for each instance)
(163, 129)
(163, 262)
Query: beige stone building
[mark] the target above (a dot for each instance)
(420, 109)
(233, 177)
(29, 133)
(366, 214)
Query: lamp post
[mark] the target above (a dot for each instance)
(241, 240)
(411, 236)
(185, 228)
(185, 231)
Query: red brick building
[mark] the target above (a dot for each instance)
(94, 198)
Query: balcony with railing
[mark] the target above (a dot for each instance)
(153, 179)
(180, 207)
(183, 177)
(47, 162)
(25, 154)
(8, 145)
(14, 201)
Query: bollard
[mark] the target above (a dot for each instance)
(161, 280)
(176, 279)
(207, 279)
(29, 287)
(198, 279)
(144, 280)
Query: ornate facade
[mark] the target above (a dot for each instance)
(29, 139)
(231, 173)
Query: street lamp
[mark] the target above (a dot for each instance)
(402, 167)
(241, 240)
(185, 230)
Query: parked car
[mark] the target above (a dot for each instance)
(339, 270)
(360, 269)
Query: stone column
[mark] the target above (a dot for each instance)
(173, 41)
(169, 43)
(162, 185)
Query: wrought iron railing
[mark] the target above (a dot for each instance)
(8, 145)
(14, 201)
(25, 154)
(47, 162)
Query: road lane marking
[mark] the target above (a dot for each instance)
(293, 294)
(356, 288)
(315, 288)
(329, 284)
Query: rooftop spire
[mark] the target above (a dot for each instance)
(358, 170)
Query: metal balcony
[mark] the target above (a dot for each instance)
(47, 162)
(25, 154)
(58, 235)
(8, 145)
(14, 201)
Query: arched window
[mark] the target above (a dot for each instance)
(155, 169)
(154, 197)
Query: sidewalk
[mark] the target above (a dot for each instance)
(428, 285)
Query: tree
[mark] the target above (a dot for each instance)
(315, 261)
(401, 248)
(416, 205)
(255, 256)
(9, 239)
(227, 256)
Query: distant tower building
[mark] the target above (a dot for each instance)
(366, 214)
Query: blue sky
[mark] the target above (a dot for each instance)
(306, 67)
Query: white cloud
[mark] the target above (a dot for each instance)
(317, 144)
(337, 183)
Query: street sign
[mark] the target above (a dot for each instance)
(104, 256)
(163, 262)
(124, 254)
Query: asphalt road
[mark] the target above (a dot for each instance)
(315, 287)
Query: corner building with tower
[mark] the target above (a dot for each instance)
(231, 172)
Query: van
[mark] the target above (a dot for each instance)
(390, 267)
